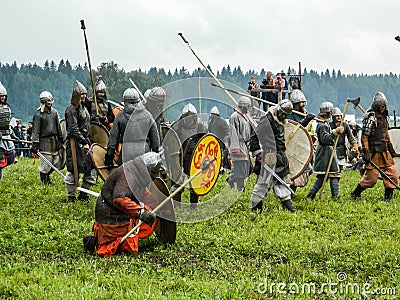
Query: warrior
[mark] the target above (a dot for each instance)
(155, 100)
(124, 200)
(189, 130)
(341, 149)
(299, 103)
(103, 112)
(219, 127)
(78, 144)
(326, 139)
(7, 148)
(240, 134)
(142, 127)
(270, 138)
(47, 136)
(377, 148)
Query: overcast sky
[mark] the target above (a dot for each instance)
(347, 35)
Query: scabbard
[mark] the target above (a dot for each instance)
(74, 161)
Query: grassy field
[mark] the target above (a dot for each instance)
(331, 249)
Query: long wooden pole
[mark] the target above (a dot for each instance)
(262, 100)
(83, 27)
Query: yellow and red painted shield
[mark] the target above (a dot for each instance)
(206, 149)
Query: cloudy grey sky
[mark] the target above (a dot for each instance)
(353, 36)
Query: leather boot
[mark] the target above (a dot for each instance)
(194, 199)
(257, 207)
(288, 205)
(83, 196)
(310, 195)
(388, 194)
(357, 192)
(71, 199)
(44, 178)
(90, 243)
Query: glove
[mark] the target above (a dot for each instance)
(35, 148)
(109, 157)
(145, 216)
(367, 155)
(307, 120)
(270, 159)
(338, 130)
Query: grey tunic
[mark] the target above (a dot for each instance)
(326, 140)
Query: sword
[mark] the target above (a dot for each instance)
(268, 168)
(140, 93)
(383, 174)
(63, 176)
(116, 104)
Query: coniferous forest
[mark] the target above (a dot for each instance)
(25, 82)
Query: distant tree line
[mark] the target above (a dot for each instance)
(26, 82)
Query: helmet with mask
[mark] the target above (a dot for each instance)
(379, 100)
(326, 107)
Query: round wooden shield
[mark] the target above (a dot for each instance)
(166, 226)
(207, 149)
(394, 134)
(299, 148)
(63, 125)
(97, 153)
(99, 133)
(62, 151)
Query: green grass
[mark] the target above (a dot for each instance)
(236, 255)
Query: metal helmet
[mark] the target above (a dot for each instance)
(147, 93)
(352, 123)
(3, 91)
(100, 86)
(157, 94)
(46, 96)
(189, 109)
(214, 110)
(297, 96)
(325, 107)
(244, 101)
(379, 100)
(336, 112)
(131, 96)
(78, 89)
(285, 107)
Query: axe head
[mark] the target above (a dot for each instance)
(355, 102)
